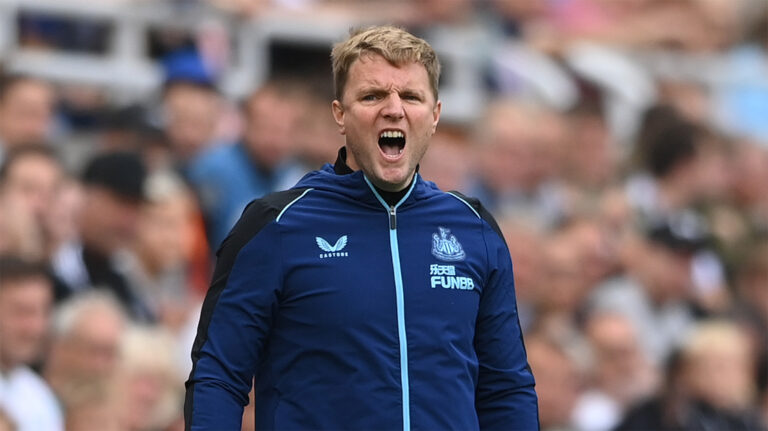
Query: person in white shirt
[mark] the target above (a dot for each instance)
(26, 296)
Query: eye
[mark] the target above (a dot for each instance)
(411, 97)
(370, 97)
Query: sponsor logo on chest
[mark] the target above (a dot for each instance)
(444, 276)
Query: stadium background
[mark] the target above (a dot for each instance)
(621, 144)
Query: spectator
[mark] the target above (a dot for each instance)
(557, 382)
(227, 177)
(669, 151)
(114, 189)
(318, 139)
(719, 368)
(26, 297)
(85, 347)
(191, 111)
(166, 263)
(591, 155)
(655, 288)
(710, 386)
(30, 178)
(513, 175)
(151, 392)
(595, 242)
(445, 162)
(561, 292)
(620, 373)
(26, 111)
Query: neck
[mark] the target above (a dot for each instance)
(392, 198)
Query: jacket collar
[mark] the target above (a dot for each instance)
(341, 167)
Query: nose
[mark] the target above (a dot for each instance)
(393, 108)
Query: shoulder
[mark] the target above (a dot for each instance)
(255, 217)
(269, 208)
(32, 386)
(221, 156)
(478, 209)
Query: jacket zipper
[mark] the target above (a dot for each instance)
(399, 296)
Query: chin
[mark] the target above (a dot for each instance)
(395, 184)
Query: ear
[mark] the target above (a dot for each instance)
(338, 115)
(436, 115)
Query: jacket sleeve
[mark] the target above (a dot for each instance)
(505, 397)
(234, 323)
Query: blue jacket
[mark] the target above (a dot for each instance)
(352, 314)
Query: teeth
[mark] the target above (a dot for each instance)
(392, 134)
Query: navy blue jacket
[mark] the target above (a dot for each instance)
(353, 314)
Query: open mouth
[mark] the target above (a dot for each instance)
(392, 143)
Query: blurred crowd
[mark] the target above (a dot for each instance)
(622, 146)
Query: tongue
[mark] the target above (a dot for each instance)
(390, 149)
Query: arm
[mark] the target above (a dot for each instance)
(505, 397)
(235, 322)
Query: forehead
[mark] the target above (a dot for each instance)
(26, 88)
(32, 287)
(373, 70)
(32, 164)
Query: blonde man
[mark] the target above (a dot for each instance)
(365, 297)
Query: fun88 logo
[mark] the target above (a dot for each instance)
(445, 276)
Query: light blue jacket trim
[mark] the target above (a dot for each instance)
(465, 203)
(403, 341)
(291, 203)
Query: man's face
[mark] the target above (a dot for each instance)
(164, 233)
(34, 180)
(25, 113)
(108, 220)
(25, 306)
(91, 350)
(668, 273)
(192, 118)
(272, 121)
(387, 113)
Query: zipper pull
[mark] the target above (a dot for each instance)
(392, 218)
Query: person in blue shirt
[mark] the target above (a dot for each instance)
(226, 177)
(364, 297)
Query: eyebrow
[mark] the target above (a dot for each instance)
(380, 90)
(371, 89)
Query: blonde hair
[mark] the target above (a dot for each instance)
(151, 349)
(396, 45)
(715, 336)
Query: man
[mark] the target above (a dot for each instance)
(515, 173)
(113, 192)
(192, 113)
(26, 111)
(30, 177)
(364, 297)
(25, 307)
(227, 177)
(656, 286)
(86, 334)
